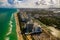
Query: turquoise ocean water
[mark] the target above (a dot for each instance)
(7, 24)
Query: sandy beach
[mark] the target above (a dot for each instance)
(19, 36)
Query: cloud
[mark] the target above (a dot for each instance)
(5, 4)
(27, 4)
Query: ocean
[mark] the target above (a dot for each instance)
(7, 24)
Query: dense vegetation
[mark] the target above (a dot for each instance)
(48, 20)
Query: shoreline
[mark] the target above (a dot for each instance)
(19, 36)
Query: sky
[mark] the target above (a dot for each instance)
(29, 3)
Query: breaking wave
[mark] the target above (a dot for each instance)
(7, 38)
(10, 28)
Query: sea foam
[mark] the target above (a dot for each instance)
(7, 38)
(10, 28)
